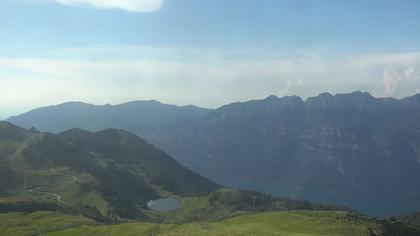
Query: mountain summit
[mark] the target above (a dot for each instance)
(351, 149)
(135, 116)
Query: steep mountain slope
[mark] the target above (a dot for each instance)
(112, 170)
(111, 175)
(350, 149)
(134, 116)
(89, 179)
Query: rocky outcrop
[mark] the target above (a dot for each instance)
(346, 144)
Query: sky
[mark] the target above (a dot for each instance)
(201, 52)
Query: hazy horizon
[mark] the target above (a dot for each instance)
(205, 53)
(210, 117)
(181, 105)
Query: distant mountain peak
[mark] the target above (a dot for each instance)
(292, 100)
(134, 116)
(356, 100)
(360, 93)
(325, 94)
(285, 100)
(75, 131)
(271, 98)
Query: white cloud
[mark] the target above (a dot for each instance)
(291, 88)
(126, 5)
(391, 79)
(203, 77)
(286, 89)
(393, 76)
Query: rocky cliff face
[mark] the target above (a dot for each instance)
(342, 148)
(351, 145)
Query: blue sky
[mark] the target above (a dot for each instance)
(203, 52)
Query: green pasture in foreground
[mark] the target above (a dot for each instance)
(296, 223)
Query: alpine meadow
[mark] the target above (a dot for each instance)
(195, 117)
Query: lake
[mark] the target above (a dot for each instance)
(164, 204)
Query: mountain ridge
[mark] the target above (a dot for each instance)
(346, 144)
(133, 116)
(356, 99)
(339, 148)
(112, 170)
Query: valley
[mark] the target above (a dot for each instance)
(348, 149)
(84, 183)
(209, 118)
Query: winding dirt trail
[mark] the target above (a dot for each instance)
(55, 195)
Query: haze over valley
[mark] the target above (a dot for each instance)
(350, 149)
(195, 117)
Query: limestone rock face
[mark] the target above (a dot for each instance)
(347, 145)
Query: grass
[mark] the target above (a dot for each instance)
(284, 223)
(207, 219)
(59, 182)
(306, 223)
(193, 209)
(296, 223)
(73, 193)
(20, 224)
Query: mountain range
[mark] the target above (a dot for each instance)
(349, 149)
(112, 174)
(78, 182)
(135, 116)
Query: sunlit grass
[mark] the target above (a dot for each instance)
(303, 223)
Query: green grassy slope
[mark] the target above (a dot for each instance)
(74, 182)
(296, 223)
(20, 224)
(109, 176)
(111, 172)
